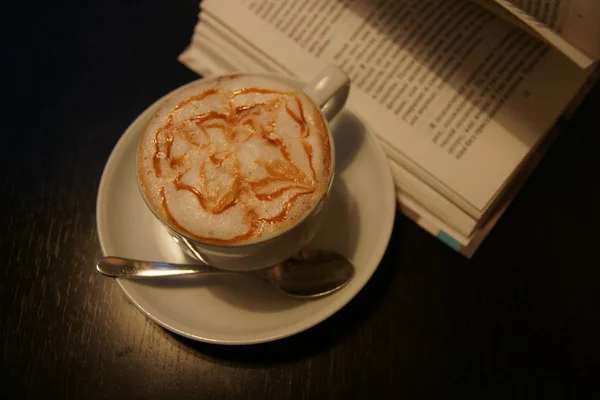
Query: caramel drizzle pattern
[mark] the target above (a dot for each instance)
(282, 170)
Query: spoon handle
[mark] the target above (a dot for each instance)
(125, 268)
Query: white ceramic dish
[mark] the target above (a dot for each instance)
(232, 309)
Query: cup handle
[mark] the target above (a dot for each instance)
(329, 90)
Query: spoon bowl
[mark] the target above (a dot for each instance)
(309, 274)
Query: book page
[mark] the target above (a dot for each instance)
(582, 26)
(551, 13)
(234, 56)
(459, 95)
(409, 185)
(571, 26)
(503, 13)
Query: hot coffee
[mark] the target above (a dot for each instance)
(235, 159)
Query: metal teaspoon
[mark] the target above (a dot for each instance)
(310, 274)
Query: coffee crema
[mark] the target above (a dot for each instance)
(235, 159)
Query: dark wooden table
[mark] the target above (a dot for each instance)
(519, 320)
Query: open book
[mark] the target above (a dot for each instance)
(463, 95)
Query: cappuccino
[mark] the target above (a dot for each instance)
(235, 159)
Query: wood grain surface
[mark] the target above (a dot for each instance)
(520, 320)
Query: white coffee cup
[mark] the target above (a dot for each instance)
(329, 91)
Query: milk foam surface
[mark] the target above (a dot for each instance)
(235, 159)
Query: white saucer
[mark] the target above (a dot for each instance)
(233, 309)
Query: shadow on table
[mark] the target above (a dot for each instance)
(319, 338)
